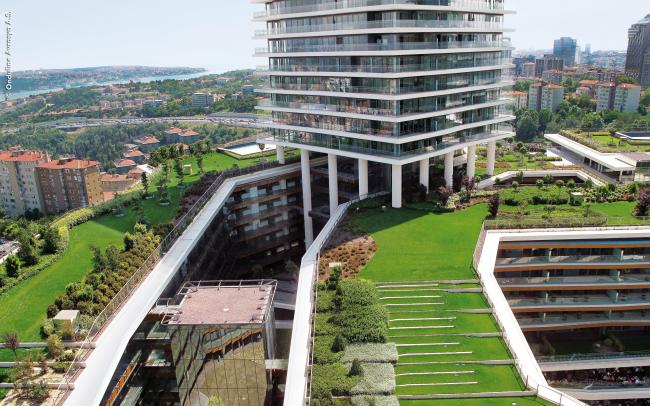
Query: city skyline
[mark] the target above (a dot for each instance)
(203, 33)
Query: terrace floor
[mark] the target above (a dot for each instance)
(447, 340)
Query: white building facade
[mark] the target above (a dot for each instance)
(393, 82)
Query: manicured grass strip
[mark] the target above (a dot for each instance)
(490, 378)
(483, 349)
(519, 401)
(412, 244)
(463, 322)
(452, 301)
(6, 355)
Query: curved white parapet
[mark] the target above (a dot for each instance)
(93, 380)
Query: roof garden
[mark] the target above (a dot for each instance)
(437, 340)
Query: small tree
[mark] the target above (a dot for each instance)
(51, 240)
(444, 193)
(643, 203)
(559, 183)
(339, 344)
(27, 252)
(356, 369)
(571, 184)
(540, 183)
(12, 342)
(145, 184)
(493, 205)
(178, 168)
(54, 346)
(199, 162)
(548, 179)
(515, 186)
(12, 266)
(469, 183)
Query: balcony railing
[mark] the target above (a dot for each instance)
(594, 356)
(580, 300)
(399, 46)
(342, 88)
(337, 5)
(579, 259)
(367, 68)
(576, 280)
(582, 318)
(495, 26)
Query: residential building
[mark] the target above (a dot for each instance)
(519, 99)
(202, 100)
(189, 137)
(248, 90)
(398, 92)
(136, 156)
(172, 134)
(124, 166)
(117, 183)
(555, 77)
(528, 70)
(590, 84)
(548, 62)
(149, 144)
(69, 184)
(552, 96)
(566, 48)
(627, 98)
(605, 95)
(545, 97)
(638, 52)
(624, 97)
(19, 191)
(583, 90)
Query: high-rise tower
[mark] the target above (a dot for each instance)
(392, 82)
(638, 52)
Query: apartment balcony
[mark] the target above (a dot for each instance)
(390, 68)
(571, 262)
(393, 154)
(371, 113)
(580, 303)
(272, 227)
(240, 220)
(599, 282)
(583, 321)
(343, 89)
(454, 5)
(246, 200)
(461, 46)
(380, 26)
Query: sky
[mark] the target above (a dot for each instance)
(217, 34)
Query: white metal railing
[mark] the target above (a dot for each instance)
(298, 388)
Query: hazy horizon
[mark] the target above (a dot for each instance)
(70, 34)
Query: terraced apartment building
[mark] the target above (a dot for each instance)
(390, 83)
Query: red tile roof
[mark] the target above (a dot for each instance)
(134, 152)
(552, 86)
(19, 155)
(174, 130)
(125, 162)
(150, 140)
(629, 86)
(189, 133)
(69, 164)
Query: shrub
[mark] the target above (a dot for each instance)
(371, 353)
(331, 380)
(339, 344)
(355, 369)
(363, 324)
(47, 328)
(355, 293)
(571, 184)
(643, 203)
(325, 301)
(493, 204)
(365, 400)
(376, 379)
(324, 350)
(54, 346)
(61, 367)
(324, 326)
(12, 266)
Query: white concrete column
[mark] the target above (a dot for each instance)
(449, 169)
(363, 178)
(397, 186)
(491, 157)
(306, 196)
(279, 152)
(424, 173)
(333, 176)
(471, 162)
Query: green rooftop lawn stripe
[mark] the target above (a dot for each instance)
(482, 349)
(464, 322)
(520, 401)
(412, 247)
(490, 379)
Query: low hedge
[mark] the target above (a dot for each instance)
(365, 400)
(363, 324)
(552, 195)
(323, 350)
(377, 379)
(355, 293)
(332, 380)
(371, 353)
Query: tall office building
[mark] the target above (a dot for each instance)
(566, 49)
(549, 62)
(638, 52)
(390, 82)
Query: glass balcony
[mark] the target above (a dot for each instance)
(495, 26)
(277, 9)
(581, 300)
(576, 280)
(387, 150)
(389, 68)
(573, 259)
(397, 46)
(575, 318)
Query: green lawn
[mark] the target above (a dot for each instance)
(22, 309)
(522, 401)
(414, 245)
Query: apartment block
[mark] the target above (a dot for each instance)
(69, 184)
(19, 191)
(555, 77)
(401, 87)
(628, 98)
(202, 100)
(528, 70)
(519, 99)
(624, 97)
(541, 97)
(549, 62)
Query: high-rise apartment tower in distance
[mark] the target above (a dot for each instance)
(394, 83)
(638, 52)
(566, 49)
